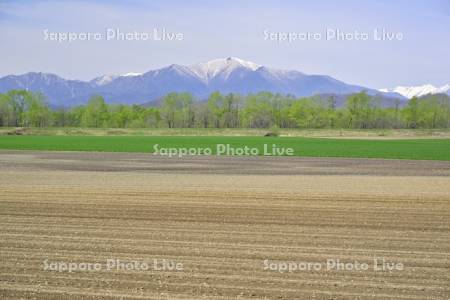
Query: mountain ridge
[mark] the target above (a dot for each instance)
(225, 75)
(420, 90)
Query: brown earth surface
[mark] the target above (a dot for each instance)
(221, 218)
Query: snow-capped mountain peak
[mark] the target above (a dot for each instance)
(418, 91)
(222, 66)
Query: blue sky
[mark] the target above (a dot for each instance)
(213, 29)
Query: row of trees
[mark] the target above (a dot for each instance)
(19, 108)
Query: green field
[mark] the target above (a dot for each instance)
(424, 149)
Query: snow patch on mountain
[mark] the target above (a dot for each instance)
(131, 74)
(418, 91)
(222, 66)
(105, 79)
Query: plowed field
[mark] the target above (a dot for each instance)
(222, 219)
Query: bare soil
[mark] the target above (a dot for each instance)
(221, 217)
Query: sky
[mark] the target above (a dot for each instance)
(414, 50)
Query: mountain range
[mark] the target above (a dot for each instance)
(418, 91)
(225, 75)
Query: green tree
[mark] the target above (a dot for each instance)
(37, 112)
(307, 113)
(216, 105)
(359, 109)
(411, 113)
(7, 114)
(95, 113)
(259, 111)
(24, 108)
(177, 110)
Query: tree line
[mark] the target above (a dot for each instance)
(20, 108)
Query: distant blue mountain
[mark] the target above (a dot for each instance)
(224, 75)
